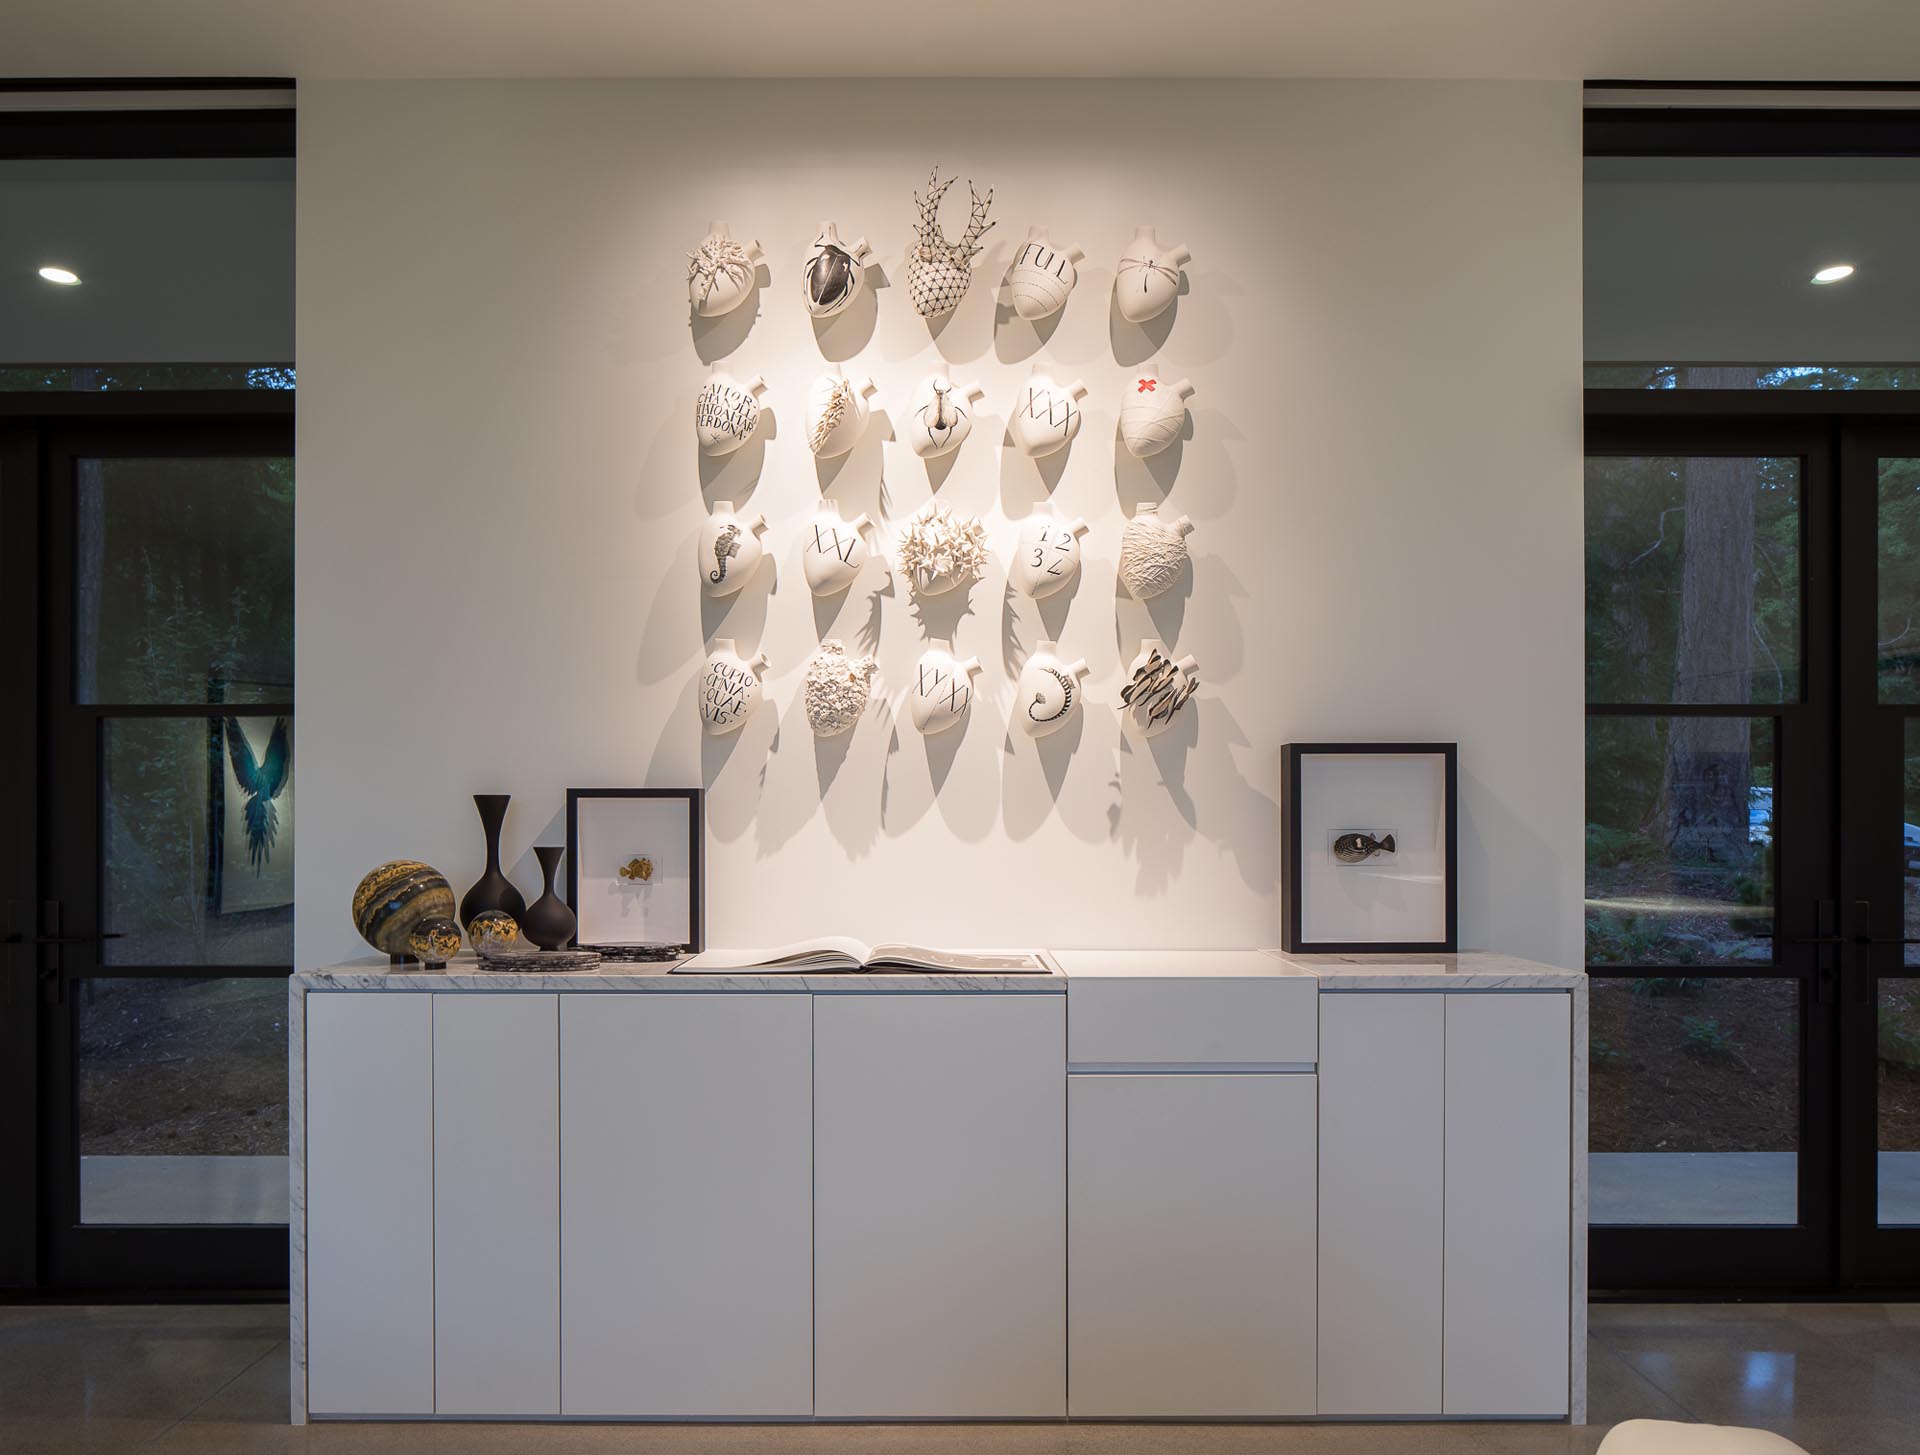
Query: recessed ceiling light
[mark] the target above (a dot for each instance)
(1833, 273)
(65, 277)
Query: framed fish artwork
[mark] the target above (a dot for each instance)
(633, 870)
(249, 813)
(1369, 848)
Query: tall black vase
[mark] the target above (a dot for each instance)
(493, 890)
(548, 922)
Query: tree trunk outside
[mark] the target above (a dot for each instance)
(1709, 768)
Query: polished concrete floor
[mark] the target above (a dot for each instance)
(1839, 1379)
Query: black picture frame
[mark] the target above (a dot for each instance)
(695, 799)
(1293, 759)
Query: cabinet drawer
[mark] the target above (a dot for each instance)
(1138, 1020)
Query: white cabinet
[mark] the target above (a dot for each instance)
(1382, 1150)
(1190, 1240)
(1509, 1145)
(687, 1232)
(940, 1205)
(1445, 1203)
(1141, 1021)
(369, 1207)
(496, 1204)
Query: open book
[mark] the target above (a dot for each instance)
(833, 953)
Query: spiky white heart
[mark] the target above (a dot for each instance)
(1046, 417)
(1047, 556)
(1048, 693)
(1042, 275)
(729, 687)
(833, 549)
(837, 688)
(1148, 277)
(721, 272)
(729, 549)
(1154, 412)
(726, 412)
(834, 273)
(1153, 552)
(1157, 687)
(940, 548)
(942, 688)
(837, 410)
(941, 416)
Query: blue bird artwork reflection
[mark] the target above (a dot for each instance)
(262, 780)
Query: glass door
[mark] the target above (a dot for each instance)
(1710, 918)
(1880, 786)
(165, 921)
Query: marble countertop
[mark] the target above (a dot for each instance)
(464, 973)
(1469, 970)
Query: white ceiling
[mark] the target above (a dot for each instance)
(1567, 39)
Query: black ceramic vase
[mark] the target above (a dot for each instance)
(493, 890)
(548, 922)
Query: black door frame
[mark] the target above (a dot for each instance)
(1830, 854)
(1749, 1258)
(39, 433)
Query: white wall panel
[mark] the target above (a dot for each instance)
(496, 458)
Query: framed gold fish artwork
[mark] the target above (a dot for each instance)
(634, 869)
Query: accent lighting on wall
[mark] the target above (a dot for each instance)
(65, 277)
(1833, 273)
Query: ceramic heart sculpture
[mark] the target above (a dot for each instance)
(1042, 275)
(726, 412)
(1157, 688)
(940, 548)
(721, 272)
(729, 687)
(942, 415)
(729, 549)
(938, 271)
(1045, 416)
(1153, 552)
(942, 688)
(834, 551)
(836, 413)
(1154, 412)
(1048, 692)
(835, 272)
(1047, 557)
(837, 688)
(1148, 278)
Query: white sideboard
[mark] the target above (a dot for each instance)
(1159, 1185)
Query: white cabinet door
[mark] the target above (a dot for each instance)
(369, 1141)
(687, 1232)
(940, 1204)
(1509, 1142)
(1382, 1181)
(1190, 1238)
(496, 1203)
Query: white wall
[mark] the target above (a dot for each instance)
(499, 488)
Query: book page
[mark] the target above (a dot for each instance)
(959, 962)
(829, 952)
